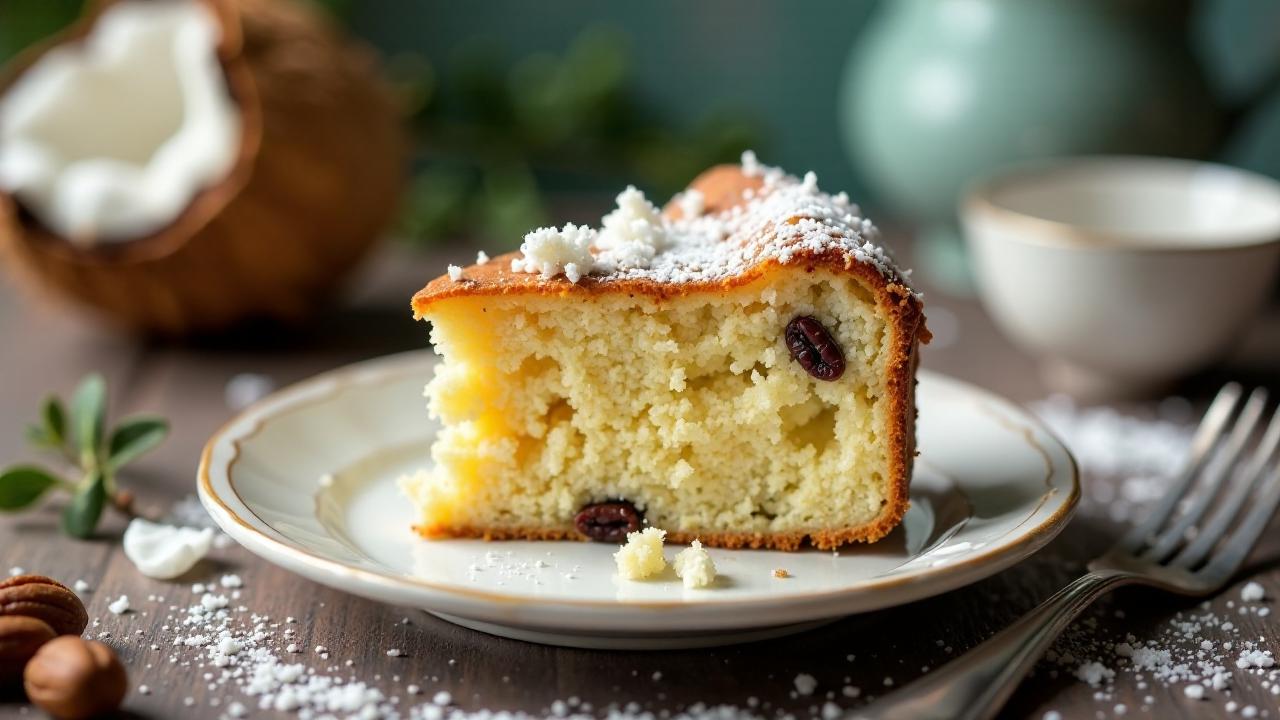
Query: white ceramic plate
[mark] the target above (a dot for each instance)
(991, 487)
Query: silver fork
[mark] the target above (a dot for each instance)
(1181, 553)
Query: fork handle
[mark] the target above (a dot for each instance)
(975, 685)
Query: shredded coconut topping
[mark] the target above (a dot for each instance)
(549, 252)
(631, 235)
(786, 218)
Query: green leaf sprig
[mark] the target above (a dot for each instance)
(80, 435)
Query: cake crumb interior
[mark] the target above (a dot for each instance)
(690, 407)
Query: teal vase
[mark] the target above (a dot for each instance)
(939, 92)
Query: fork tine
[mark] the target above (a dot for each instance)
(1242, 486)
(1206, 437)
(1211, 483)
(1231, 556)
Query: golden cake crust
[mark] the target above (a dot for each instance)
(723, 188)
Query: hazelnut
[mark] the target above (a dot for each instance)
(44, 599)
(20, 638)
(71, 678)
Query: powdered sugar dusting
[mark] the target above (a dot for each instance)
(786, 219)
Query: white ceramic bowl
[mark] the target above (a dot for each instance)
(1123, 273)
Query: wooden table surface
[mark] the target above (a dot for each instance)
(46, 348)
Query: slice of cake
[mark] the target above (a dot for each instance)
(737, 368)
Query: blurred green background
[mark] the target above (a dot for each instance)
(518, 105)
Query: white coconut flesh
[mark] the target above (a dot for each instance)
(110, 138)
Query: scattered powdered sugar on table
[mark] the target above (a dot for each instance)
(1178, 653)
(1252, 592)
(240, 657)
(244, 389)
(119, 606)
(1127, 462)
(188, 512)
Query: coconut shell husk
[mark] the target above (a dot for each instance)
(320, 167)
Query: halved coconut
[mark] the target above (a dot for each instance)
(183, 164)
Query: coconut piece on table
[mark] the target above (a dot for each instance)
(165, 551)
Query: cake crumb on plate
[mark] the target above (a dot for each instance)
(642, 556)
(695, 567)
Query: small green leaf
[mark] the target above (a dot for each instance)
(88, 413)
(80, 516)
(133, 437)
(22, 485)
(55, 421)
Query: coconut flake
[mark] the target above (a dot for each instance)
(632, 234)
(165, 551)
(549, 252)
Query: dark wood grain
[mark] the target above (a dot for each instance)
(46, 348)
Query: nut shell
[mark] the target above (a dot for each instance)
(44, 599)
(75, 679)
(20, 638)
(321, 164)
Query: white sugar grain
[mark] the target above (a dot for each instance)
(1252, 592)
